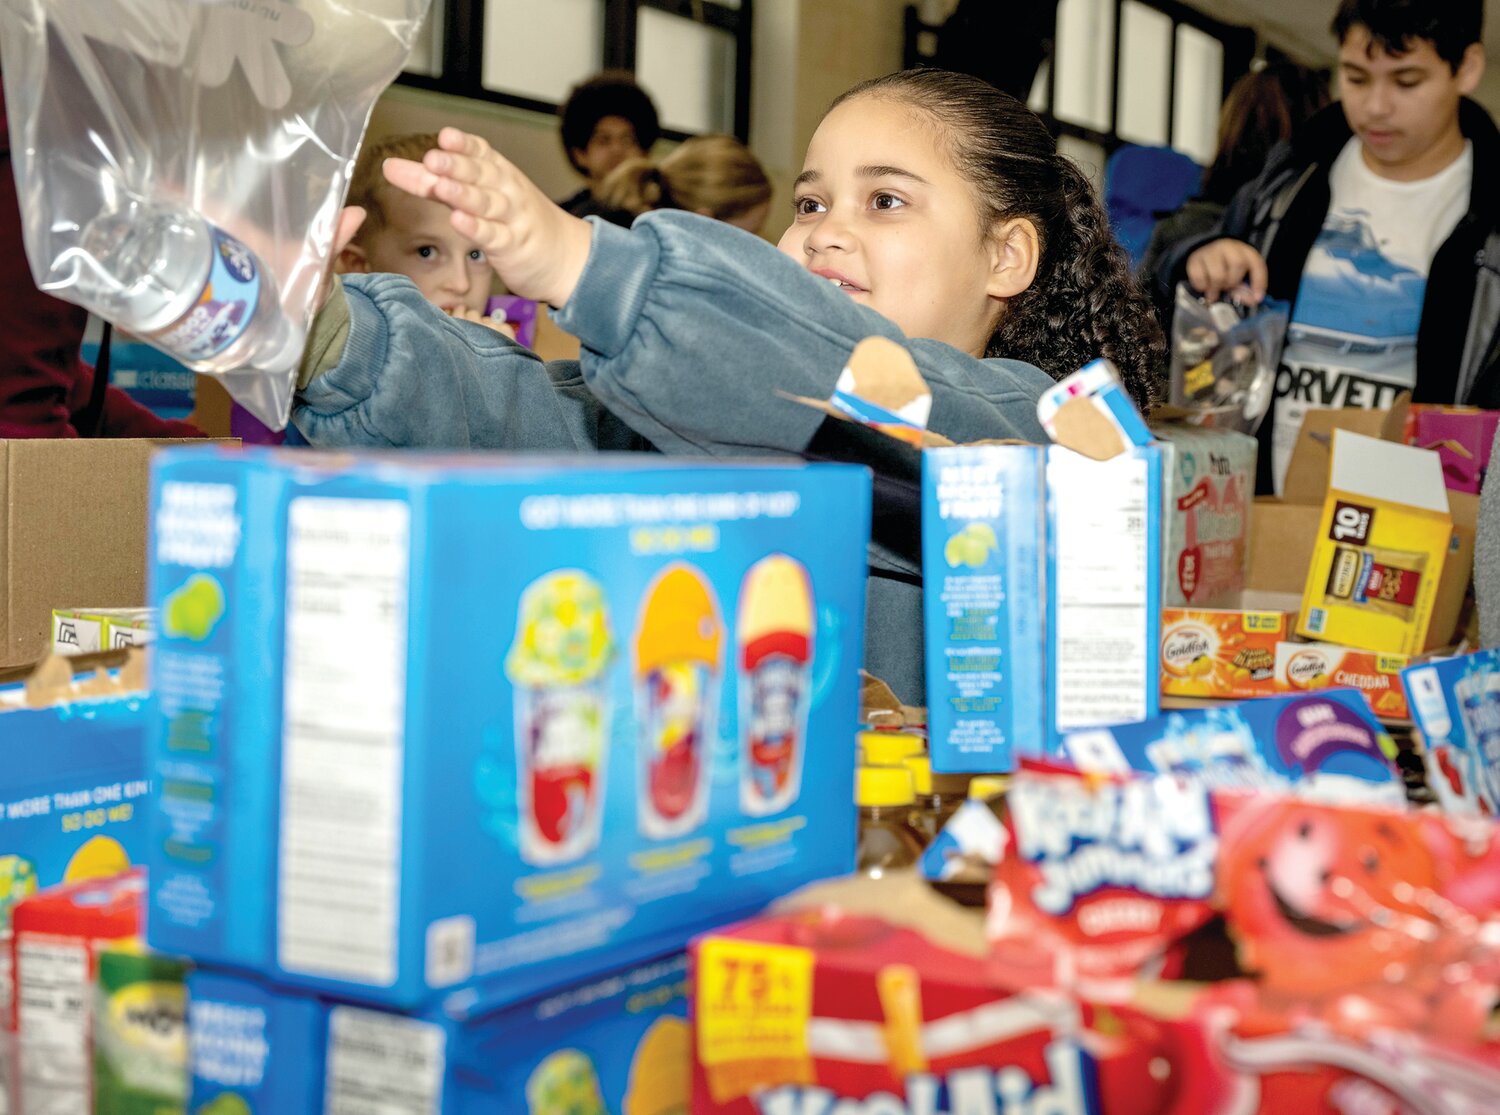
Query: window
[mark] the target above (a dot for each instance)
(1152, 72)
(692, 55)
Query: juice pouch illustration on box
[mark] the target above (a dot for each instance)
(678, 650)
(775, 632)
(565, 1083)
(557, 664)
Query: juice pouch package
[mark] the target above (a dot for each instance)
(1101, 878)
(1456, 706)
(181, 164)
(1224, 359)
(1326, 745)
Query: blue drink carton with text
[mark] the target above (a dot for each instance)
(464, 729)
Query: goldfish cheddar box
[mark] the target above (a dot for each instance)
(1041, 595)
(1221, 652)
(1208, 478)
(616, 1043)
(1306, 666)
(366, 789)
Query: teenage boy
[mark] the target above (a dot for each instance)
(606, 120)
(1379, 221)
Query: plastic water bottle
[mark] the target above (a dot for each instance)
(164, 273)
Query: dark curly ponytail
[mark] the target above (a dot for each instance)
(1083, 302)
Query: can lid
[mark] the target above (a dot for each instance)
(921, 772)
(877, 786)
(888, 749)
(985, 786)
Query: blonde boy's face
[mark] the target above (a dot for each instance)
(418, 241)
(881, 210)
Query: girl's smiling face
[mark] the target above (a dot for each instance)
(881, 209)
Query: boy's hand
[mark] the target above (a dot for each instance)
(1225, 266)
(538, 250)
(498, 324)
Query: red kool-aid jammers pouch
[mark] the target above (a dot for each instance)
(1101, 879)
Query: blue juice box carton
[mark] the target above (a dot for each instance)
(469, 728)
(74, 794)
(617, 1043)
(1042, 597)
(1456, 706)
(1327, 743)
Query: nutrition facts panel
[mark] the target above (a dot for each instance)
(382, 1064)
(1102, 622)
(343, 737)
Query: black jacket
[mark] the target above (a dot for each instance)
(1281, 214)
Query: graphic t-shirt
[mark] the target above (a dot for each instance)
(1352, 340)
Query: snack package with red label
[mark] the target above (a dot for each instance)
(1102, 877)
(1206, 524)
(833, 1011)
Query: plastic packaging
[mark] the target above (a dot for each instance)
(887, 841)
(1224, 359)
(181, 164)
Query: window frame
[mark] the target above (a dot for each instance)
(461, 53)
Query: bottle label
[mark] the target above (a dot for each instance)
(224, 310)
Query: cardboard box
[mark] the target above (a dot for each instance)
(1042, 579)
(89, 630)
(74, 529)
(1208, 480)
(1463, 438)
(1311, 666)
(1383, 537)
(1225, 653)
(382, 680)
(619, 1043)
(59, 935)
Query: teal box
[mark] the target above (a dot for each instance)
(1041, 598)
(464, 729)
(620, 1042)
(73, 795)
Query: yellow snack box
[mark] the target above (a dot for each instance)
(1382, 539)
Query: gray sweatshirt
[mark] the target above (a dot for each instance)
(1487, 553)
(689, 328)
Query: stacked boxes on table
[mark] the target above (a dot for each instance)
(443, 736)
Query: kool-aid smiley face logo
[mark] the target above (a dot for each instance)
(1307, 669)
(1185, 645)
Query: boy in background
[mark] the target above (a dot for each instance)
(605, 121)
(412, 236)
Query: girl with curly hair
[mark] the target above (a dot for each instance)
(932, 209)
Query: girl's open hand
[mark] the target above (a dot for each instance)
(538, 250)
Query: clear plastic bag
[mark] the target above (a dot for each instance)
(1224, 359)
(181, 164)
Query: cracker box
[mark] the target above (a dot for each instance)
(1222, 652)
(1382, 540)
(344, 746)
(617, 1043)
(86, 630)
(1042, 579)
(1456, 706)
(1208, 479)
(1301, 667)
(58, 936)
